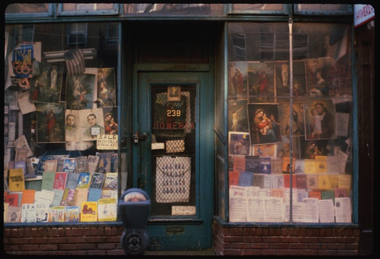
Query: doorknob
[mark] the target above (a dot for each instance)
(139, 137)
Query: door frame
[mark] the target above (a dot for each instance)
(198, 229)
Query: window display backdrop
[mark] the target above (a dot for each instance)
(262, 153)
(65, 166)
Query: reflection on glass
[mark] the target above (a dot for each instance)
(256, 7)
(323, 7)
(26, 8)
(87, 7)
(173, 9)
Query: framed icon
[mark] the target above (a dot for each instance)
(174, 93)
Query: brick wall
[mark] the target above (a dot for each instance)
(94, 240)
(231, 240)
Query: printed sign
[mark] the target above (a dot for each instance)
(107, 142)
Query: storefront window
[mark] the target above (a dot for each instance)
(283, 156)
(257, 8)
(173, 9)
(61, 123)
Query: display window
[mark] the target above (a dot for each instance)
(61, 123)
(290, 123)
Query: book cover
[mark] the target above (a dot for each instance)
(58, 194)
(33, 183)
(287, 181)
(22, 165)
(321, 164)
(302, 193)
(340, 192)
(97, 180)
(28, 213)
(265, 165)
(92, 163)
(315, 194)
(68, 198)
(332, 165)
(301, 181)
(16, 181)
(27, 196)
(277, 181)
(60, 180)
(107, 209)
(50, 166)
(328, 195)
(252, 164)
(42, 212)
(94, 194)
(258, 180)
(46, 197)
(6, 205)
(57, 214)
(80, 196)
(324, 182)
(72, 214)
(72, 180)
(312, 181)
(111, 181)
(233, 178)
(345, 181)
(109, 194)
(278, 192)
(13, 214)
(277, 165)
(81, 164)
(310, 166)
(299, 167)
(239, 163)
(114, 162)
(334, 181)
(286, 164)
(267, 181)
(287, 195)
(12, 199)
(48, 181)
(84, 180)
(245, 179)
(60, 162)
(69, 165)
(89, 211)
(104, 164)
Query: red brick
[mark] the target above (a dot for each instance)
(100, 231)
(352, 246)
(253, 232)
(335, 246)
(47, 232)
(326, 252)
(309, 232)
(278, 232)
(20, 232)
(86, 246)
(322, 232)
(236, 231)
(28, 248)
(309, 240)
(260, 245)
(112, 239)
(231, 252)
(335, 232)
(317, 246)
(250, 252)
(246, 231)
(271, 239)
(48, 247)
(349, 232)
(96, 252)
(6, 232)
(115, 252)
(238, 246)
(328, 232)
(327, 239)
(285, 231)
(67, 246)
(41, 240)
(356, 232)
(87, 231)
(288, 252)
(18, 241)
(298, 246)
(54, 232)
(95, 239)
(57, 240)
(80, 231)
(76, 252)
(303, 232)
(307, 252)
(107, 246)
(346, 240)
(347, 252)
(251, 239)
(298, 232)
(265, 231)
(278, 245)
(290, 239)
(8, 248)
(233, 239)
(57, 253)
(61, 232)
(259, 231)
(342, 232)
(272, 231)
(76, 240)
(14, 232)
(269, 252)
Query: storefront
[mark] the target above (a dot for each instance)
(246, 124)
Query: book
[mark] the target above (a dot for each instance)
(258, 180)
(340, 192)
(109, 194)
(321, 164)
(328, 195)
(58, 194)
(42, 212)
(252, 164)
(239, 163)
(33, 183)
(332, 165)
(28, 196)
(69, 165)
(265, 165)
(72, 214)
(287, 181)
(278, 192)
(84, 180)
(97, 180)
(276, 165)
(50, 166)
(334, 181)
(104, 164)
(301, 181)
(60, 162)
(22, 165)
(68, 198)
(345, 181)
(13, 214)
(111, 181)
(48, 181)
(89, 211)
(286, 164)
(45, 197)
(315, 194)
(94, 194)
(324, 182)
(28, 213)
(312, 181)
(72, 180)
(80, 196)
(277, 181)
(81, 164)
(92, 163)
(299, 167)
(287, 195)
(16, 181)
(267, 181)
(57, 214)
(107, 209)
(12, 199)
(301, 194)
(233, 178)
(114, 162)
(59, 180)
(310, 166)
(6, 205)
(245, 179)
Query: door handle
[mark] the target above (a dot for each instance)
(137, 137)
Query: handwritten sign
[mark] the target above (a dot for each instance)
(107, 142)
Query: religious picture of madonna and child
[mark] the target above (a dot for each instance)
(106, 89)
(238, 143)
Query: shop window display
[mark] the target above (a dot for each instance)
(60, 116)
(283, 157)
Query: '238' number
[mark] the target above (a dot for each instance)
(173, 113)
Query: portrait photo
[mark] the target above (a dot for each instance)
(72, 128)
(106, 87)
(260, 81)
(91, 123)
(264, 125)
(320, 119)
(80, 90)
(237, 115)
(237, 82)
(50, 122)
(238, 143)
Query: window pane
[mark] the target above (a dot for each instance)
(26, 8)
(173, 9)
(282, 151)
(87, 7)
(323, 8)
(257, 7)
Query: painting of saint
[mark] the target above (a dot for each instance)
(238, 143)
(237, 84)
(320, 119)
(298, 124)
(50, 123)
(106, 89)
(260, 81)
(237, 115)
(80, 91)
(283, 81)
